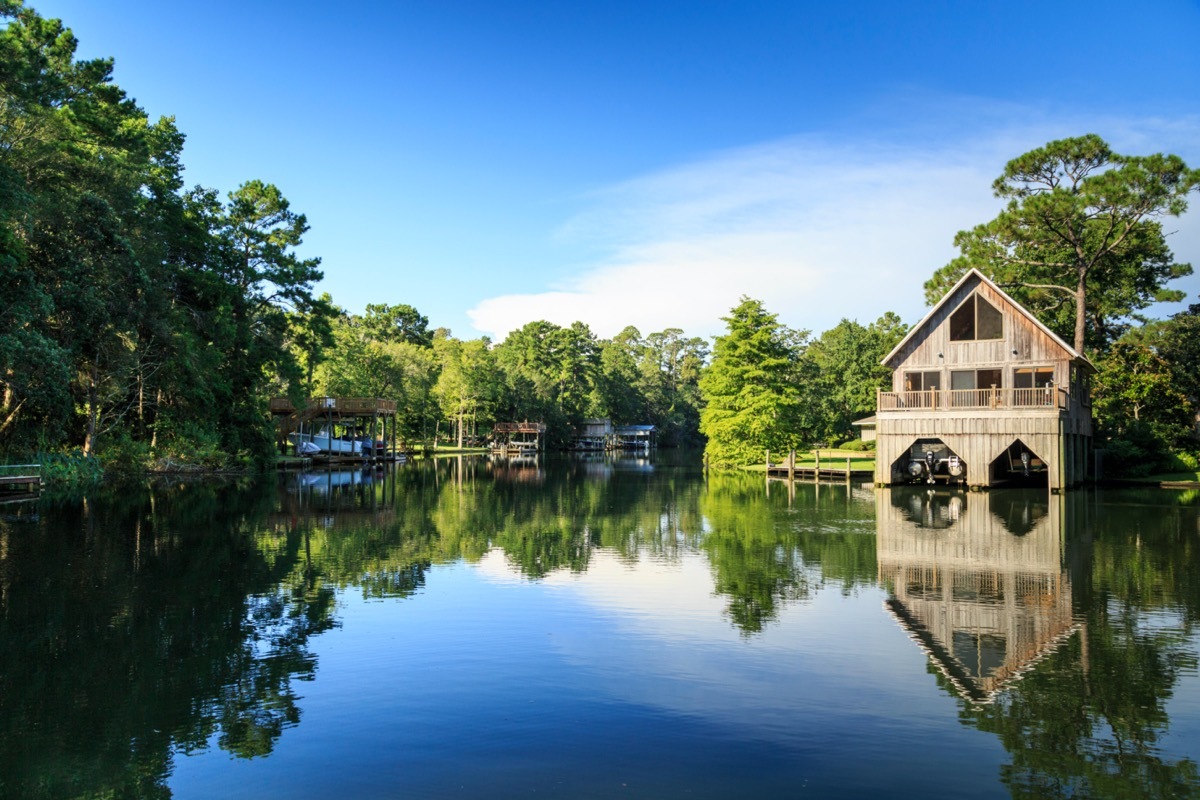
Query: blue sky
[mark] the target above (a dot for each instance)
(645, 163)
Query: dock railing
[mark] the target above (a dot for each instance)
(26, 479)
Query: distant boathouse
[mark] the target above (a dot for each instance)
(984, 394)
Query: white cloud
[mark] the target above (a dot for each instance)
(818, 230)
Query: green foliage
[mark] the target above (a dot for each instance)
(188, 448)
(72, 468)
(857, 445)
(1079, 243)
(1131, 456)
(1183, 462)
(131, 304)
(1177, 341)
(846, 373)
(751, 390)
(401, 323)
(122, 454)
(470, 382)
(1142, 415)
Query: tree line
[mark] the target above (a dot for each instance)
(560, 375)
(138, 315)
(144, 321)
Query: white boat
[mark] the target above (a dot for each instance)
(333, 479)
(326, 443)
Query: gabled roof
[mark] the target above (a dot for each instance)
(912, 333)
(974, 688)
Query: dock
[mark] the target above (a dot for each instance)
(372, 419)
(518, 438)
(20, 482)
(841, 469)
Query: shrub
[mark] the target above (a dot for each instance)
(72, 468)
(124, 455)
(188, 448)
(1125, 459)
(857, 445)
(1183, 462)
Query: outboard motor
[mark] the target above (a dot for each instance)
(930, 458)
(1025, 462)
(956, 467)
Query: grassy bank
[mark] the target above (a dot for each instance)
(830, 459)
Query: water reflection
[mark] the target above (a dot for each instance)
(978, 580)
(1089, 599)
(141, 622)
(169, 618)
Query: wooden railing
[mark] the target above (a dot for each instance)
(337, 405)
(936, 399)
(519, 427)
(27, 477)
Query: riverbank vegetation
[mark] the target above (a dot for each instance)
(146, 324)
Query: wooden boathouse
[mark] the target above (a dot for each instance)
(518, 437)
(982, 394)
(636, 437)
(593, 435)
(371, 420)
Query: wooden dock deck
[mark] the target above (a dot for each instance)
(781, 473)
(20, 482)
(833, 468)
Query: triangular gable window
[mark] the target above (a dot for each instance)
(975, 320)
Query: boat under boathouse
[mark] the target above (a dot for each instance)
(984, 394)
(351, 428)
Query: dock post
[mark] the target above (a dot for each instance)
(791, 466)
(768, 463)
(817, 471)
(847, 469)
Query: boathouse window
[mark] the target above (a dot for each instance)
(1033, 385)
(1079, 386)
(922, 382)
(972, 388)
(976, 320)
(1033, 377)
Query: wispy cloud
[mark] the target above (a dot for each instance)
(815, 228)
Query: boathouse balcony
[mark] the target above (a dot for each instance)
(1039, 399)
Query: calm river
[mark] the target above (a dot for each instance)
(597, 628)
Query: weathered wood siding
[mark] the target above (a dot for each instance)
(1023, 345)
(1059, 436)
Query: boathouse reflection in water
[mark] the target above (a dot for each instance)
(977, 579)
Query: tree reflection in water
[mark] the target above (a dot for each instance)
(139, 622)
(167, 618)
